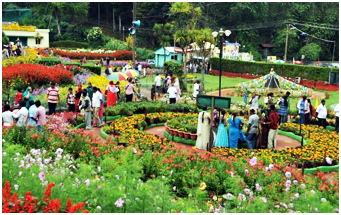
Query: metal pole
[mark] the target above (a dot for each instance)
(134, 42)
(333, 52)
(286, 42)
(220, 56)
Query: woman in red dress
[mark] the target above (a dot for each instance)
(111, 94)
(78, 96)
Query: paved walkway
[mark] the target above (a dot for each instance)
(283, 142)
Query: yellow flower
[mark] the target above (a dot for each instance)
(202, 186)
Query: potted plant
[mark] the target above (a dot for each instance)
(181, 132)
(193, 132)
(171, 131)
(187, 135)
(175, 132)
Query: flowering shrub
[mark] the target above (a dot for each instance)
(31, 58)
(62, 121)
(36, 75)
(102, 82)
(72, 68)
(118, 55)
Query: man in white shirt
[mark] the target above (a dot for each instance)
(96, 104)
(139, 68)
(22, 115)
(254, 101)
(322, 114)
(302, 107)
(196, 89)
(158, 83)
(172, 94)
(336, 110)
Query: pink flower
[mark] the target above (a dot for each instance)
(99, 187)
(87, 182)
(258, 187)
(41, 176)
(174, 188)
(252, 198)
(297, 195)
(232, 174)
(295, 182)
(271, 166)
(119, 203)
(263, 199)
(253, 161)
(135, 151)
(246, 171)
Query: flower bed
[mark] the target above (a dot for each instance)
(36, 75)
(118, 55)
(165, 179)
(31, 58)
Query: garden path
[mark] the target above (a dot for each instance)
(283, 142)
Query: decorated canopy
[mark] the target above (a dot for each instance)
(271, 80)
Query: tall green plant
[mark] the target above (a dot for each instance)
(163, 32)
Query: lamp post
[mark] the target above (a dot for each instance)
(221, 34)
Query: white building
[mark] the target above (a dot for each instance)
(28, 35)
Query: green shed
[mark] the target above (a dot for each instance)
(172, 53)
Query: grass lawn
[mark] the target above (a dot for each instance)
(211, 82)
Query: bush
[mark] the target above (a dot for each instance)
(114, 44)
(287, 70)
(92, 68)
(69, 44)
(5, 39)
(49, 61)
(311, 51)
(96, 37)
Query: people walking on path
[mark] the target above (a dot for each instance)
(272, 138)
(31, 114)
(222, 139)
(322, 114)
(129, 90)
(263, 131)
(203, 129)
(177, 87)
(252, 129)
(111, 92)
(79, 92)
(234, 130)
(196, 89)
(302, 107)
(283, 110)
(89, 90)
(71, 101)
(158, 83)
(52, 98)
(22, 115)
(40, 115)
(28, 96)
(86, 107)
(97, 103)
(172, 94)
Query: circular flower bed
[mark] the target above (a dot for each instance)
(321, 143)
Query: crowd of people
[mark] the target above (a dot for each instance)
(261, 130)
(169, 85)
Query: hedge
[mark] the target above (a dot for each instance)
(69, 44)
(54, 61)
(260, 68)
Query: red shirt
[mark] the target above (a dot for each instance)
(274, 120)
(18, 98)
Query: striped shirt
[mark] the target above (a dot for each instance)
(52, 95)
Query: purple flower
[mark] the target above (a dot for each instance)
(266, 169)
(241, 197)
(284, 205)
(246, 171)
(41, 176)
(271, 166)
(252, 198)
(287, 174)
(312, 192)
(295, 182)
(329, 161)
(287, 183)
(253, 161)
(174, 188)
(296, 196)
(258, 187)
(119, 203)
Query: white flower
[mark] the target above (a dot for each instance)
(17, 154)
(291, 205)
(303, 186)
(3, 140)
(316, 209)
(99, 208)
(59, 151)
(163, 177)
(271, 166)
(44, 151)
(241, 197)
(71, 173)
(99, 169)
(247, 191)
(20, 173)
(276, 206)
(4, 154)
(34, 152)
(324, 200)
(263, 199)
(329, 161)
(16, 159)
(266, 169)
(312, 192)
(171, 172)
(87, 182)
(28, 166)
(246, 171)
(288, 174)
(117, 177)
(16, 187)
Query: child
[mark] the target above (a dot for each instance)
(152, 96)
(70, 101)
(18, 97)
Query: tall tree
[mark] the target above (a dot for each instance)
(204, 42)
(163, 32)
